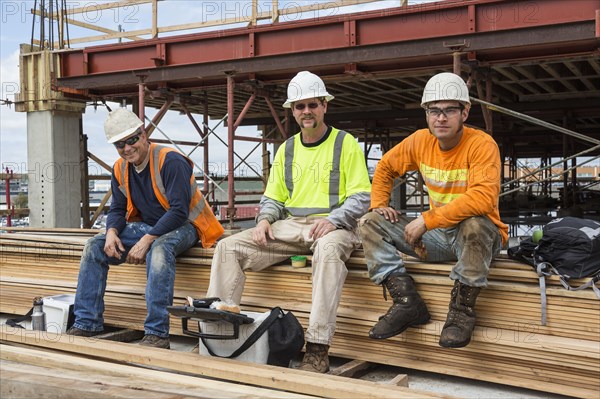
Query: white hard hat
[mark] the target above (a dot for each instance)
(445, 86)
(120, 124)
(306, 85)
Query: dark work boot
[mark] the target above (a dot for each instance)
(316, 358)
(460, 322)
(82, 333)
(408, 309)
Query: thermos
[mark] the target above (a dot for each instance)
(38, 317)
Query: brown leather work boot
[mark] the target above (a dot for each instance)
(155, 341)
(316, 358)
(408, 308)
(460, 321)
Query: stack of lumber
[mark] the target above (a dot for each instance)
(108, 369)
(509, 345)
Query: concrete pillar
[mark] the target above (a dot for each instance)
(53, 151)
(53, 156)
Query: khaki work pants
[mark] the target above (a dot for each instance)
(238, 253)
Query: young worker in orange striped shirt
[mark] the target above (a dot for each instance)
(461, 169)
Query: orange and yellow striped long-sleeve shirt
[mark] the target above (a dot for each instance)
(462, 182)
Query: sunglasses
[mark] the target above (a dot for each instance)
(301, 106)
(130, 141)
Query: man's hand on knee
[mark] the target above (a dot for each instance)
(320, 228)
(388, 213)
(261, 231)
(137, 254)
(415, 230)
(113, 246)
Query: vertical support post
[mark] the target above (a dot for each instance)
(275, 11)
(545, 174)
(142, 100)
(60, 27)
(574, 176)
(85, 186)
(366, 148)
(154, 19)
(205, 138)
(9, 176)
(288, 123)
(254, 12)
(230, 160)
(565, 201)
(265, 160)
(456, 62)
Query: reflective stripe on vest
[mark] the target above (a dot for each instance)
(122, 185)
(334, 178)
(195, 211)
(201, 216)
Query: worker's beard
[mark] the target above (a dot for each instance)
(314, 124)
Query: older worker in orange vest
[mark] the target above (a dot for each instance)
(157, 212)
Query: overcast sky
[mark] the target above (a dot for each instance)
(16, 27)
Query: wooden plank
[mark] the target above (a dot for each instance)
(20, 381)
(400, 380)
(188, 386)
(351, 369)
(231, 370)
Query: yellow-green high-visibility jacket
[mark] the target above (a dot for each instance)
(316, 179)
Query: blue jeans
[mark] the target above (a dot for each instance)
(160, 274)
(472, 243)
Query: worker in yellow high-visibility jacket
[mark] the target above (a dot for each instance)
(318, 188)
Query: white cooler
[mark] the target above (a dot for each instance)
(58, 308)
(257, 353)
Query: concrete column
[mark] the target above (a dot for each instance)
(53, 156)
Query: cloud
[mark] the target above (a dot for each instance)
(13, 126)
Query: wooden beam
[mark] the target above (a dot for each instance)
(106, 373)
(226, 369)
(93, 7)
(351, 368)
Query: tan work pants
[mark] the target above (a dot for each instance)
(238, 253)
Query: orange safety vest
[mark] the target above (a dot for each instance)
(200, 215)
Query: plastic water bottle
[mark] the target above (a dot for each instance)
(38, 317)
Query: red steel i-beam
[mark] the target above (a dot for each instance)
(142, 103)
(240, 117)
(505, 26)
